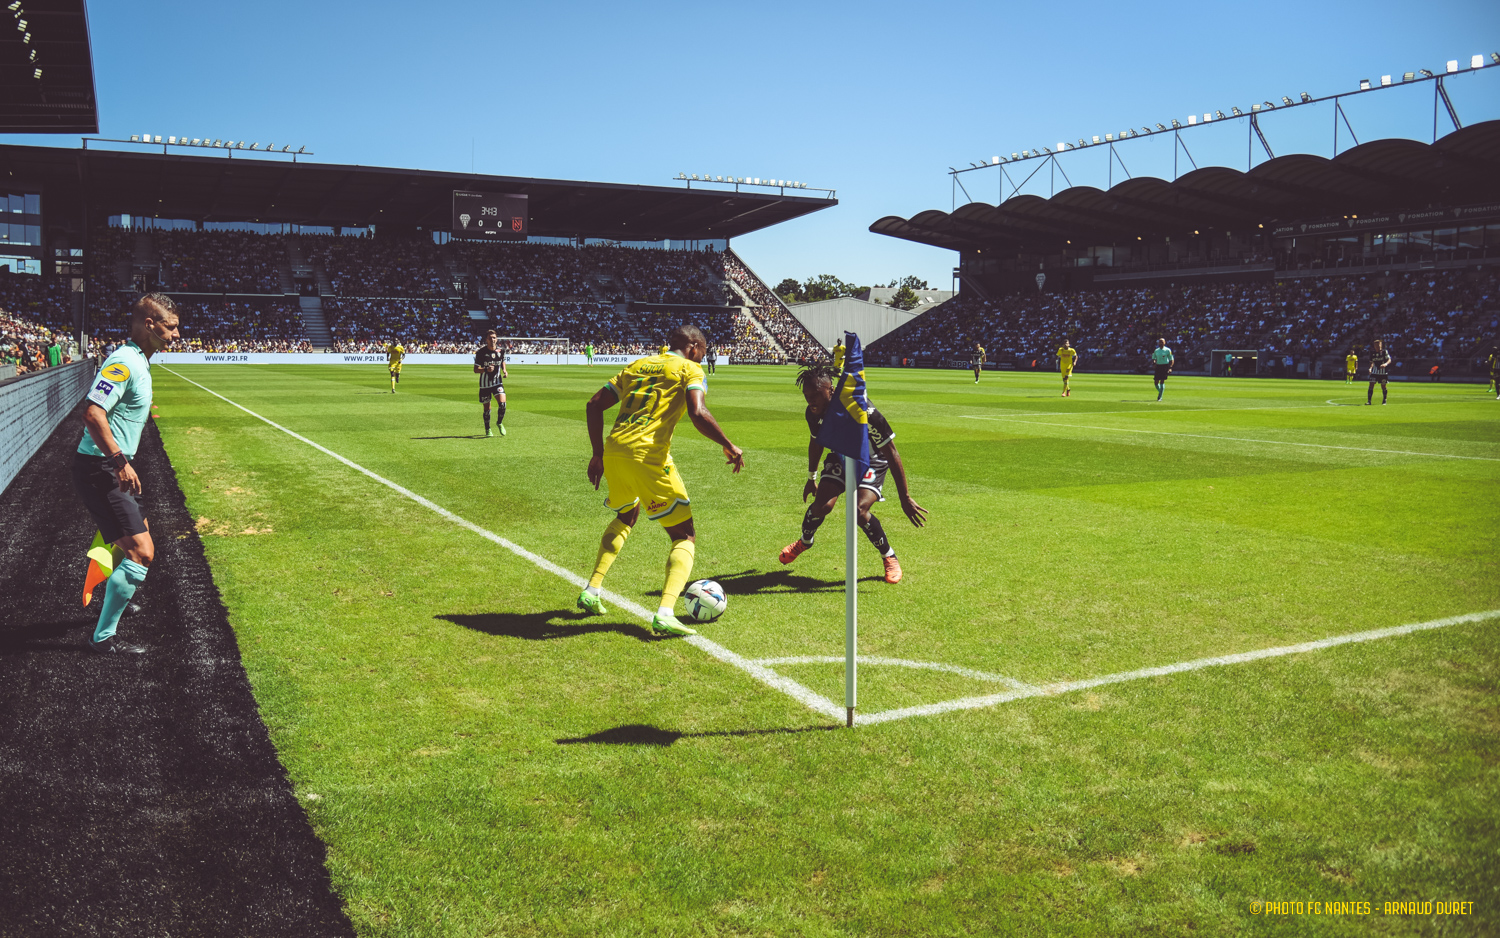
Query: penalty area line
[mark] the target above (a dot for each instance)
(1064, 687)
(803, 695)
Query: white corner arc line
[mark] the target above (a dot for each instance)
(876, 661)
(803, 695)
(975, 703)
(1238, 439)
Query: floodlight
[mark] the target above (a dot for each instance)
(1364, 84)
(1096, 138)
(135, 138)
(1306, 97)
(1285, 100)
(994, 161)
(1218, 115)
(1192, 119)
(1424, 73)
(1408, 76)
(1495, 58)
(1175, 124)
(1149, 130)
(1254, 108)
(1236, 111)
(255, 146)
(14, 6)
(1061, 146)
(196, 141)
(1452, 66)
(1046, 150)
(158, 138)
(171, 139)
(1476, 61)
(1269, 106)
(1385, 81)
(1207, 117)
(287, 148)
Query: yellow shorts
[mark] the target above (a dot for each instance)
(1066, 373)
(395, 369)
(657, 489)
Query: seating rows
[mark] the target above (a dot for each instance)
(1424, 314)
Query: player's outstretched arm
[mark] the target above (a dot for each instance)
(704, 421)
(915, 512)
(603, 400)
(814, 453)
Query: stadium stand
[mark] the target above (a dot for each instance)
(623, 300)
(1422, 315)
(24, 342)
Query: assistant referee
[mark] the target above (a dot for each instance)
(119, 404)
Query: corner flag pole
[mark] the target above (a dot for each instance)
(851, 591)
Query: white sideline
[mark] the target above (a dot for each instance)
(816, 702)
(1064, 687)
(1235, 439)
(791, 688)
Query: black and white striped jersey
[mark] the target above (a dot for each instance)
(489, 359)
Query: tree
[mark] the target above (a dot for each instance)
(910, 282)
(904, 298)
(827, 286)
(790, 291)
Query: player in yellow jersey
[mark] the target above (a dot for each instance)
(1494, 363)
(1351, 365)
(1067, 356)
(977, 360)
(394, 353)
(636, 460)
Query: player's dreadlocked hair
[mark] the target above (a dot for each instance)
(810, 375)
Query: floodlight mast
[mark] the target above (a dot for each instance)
(1440, 102)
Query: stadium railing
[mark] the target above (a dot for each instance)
(31, 407)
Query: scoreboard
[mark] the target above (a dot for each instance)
(486, 216)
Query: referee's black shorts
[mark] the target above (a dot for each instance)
(115, 513)
(1161, 372)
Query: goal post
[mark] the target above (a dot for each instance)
(1233, 362)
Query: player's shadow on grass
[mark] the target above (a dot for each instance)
(541, 626)
(641, 734)
(471, 436)
(748, 582)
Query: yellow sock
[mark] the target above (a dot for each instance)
(609, 549)
(679, 568)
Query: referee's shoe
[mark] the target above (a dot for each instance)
(113, 646)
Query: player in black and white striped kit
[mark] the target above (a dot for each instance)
(489, 364)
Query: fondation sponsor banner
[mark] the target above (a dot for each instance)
(376, 358)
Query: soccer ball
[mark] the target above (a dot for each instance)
(705, 600)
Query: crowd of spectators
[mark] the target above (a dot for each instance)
(1420, 315)
(526, 271)
(240, 326)
(656, 276)
(219, 261)
(28, 345)
(358, 322)
(365, 266)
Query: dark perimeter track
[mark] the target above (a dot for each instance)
(139, 795)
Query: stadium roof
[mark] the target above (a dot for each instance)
(1379, 176)
(218, 188)
(47, 69)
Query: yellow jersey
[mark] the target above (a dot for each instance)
(1351, 363)
(395, 353)
(1066, 357)
(653, 394)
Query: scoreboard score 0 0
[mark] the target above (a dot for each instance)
(486, 216)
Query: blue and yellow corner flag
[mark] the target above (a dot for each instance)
(846, 425)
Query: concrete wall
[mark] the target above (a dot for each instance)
(827, 320)
(31, 407)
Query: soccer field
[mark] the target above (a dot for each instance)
(481, 760)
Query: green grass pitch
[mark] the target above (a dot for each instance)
(481, 761)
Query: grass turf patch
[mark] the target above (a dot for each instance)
(486, 762)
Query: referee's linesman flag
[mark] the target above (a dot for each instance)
(846, 426)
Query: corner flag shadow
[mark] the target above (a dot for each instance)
(748, 582)
(540, 626)
(641, 734)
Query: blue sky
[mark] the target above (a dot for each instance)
(873, 99)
